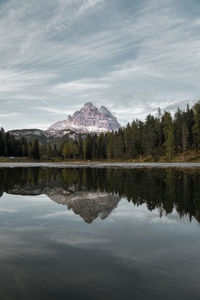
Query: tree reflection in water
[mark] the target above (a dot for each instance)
(95, 192)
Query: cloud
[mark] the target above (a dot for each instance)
(12, 82)
(10, 115)
(51, 110)
(8, 210)
(57, 214)
(86, 6)
(79, 86)
(131, 57)
(142, 215)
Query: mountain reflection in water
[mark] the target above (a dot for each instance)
(138, 247)
(93, 193)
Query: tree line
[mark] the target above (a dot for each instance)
(159, 189)
(158, 135)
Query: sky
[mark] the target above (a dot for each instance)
(132, 56)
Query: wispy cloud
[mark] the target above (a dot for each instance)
(80, 86)
(51, 110)
(10, 114)
(132, 57)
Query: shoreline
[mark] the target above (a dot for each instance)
(130, 165)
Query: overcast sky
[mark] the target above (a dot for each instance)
(132, 56)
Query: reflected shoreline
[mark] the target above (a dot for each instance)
(93, 193)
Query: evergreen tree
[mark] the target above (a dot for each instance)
(65, 152)
(155, 136)
(2, 147)
(30, 150)
(80, 146)
(178, 130)
(110, 144)
(151, 135)
(49, 151)
(185, 137)
(168, 131)
(85, 148)
(119, 145)
(129, 141)
(55, 151)
(24, 146)
(36, 150)
(196, 127)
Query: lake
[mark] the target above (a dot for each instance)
(99, 233)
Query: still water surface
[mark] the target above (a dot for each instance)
(84, 233)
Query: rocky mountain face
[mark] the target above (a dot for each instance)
(43, 136)
(30, 134)
(89, 119)
(88, 205)
(75, 188)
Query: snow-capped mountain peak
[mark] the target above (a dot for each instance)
(89, 119)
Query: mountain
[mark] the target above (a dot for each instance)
(88, 205)
(73, 188)
(43, 136)
(89, 119)
(30, 134)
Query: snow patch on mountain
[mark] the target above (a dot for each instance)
(89, 119)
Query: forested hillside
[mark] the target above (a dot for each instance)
(158, 135)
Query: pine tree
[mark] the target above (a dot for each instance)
(24, 146)
(36, 150)
(94, 147)
(151, 135)
(168, 131)
(101, 147)
(85, 147)
(185, 137)
(110, 144)
(80, 146)
(2, 148)
(55, 151)
(60, 149)
(196, 127)
(49, 151)
(159, 131)
(128, 141)
(178, 126)
(65, 152)
(119, 146)
(30, 150)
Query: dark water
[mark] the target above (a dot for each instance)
(86, 233)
